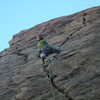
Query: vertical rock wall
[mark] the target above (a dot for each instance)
(76, 69)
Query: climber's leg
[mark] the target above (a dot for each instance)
(55, 50)
(43, 56)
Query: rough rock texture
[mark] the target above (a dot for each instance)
(76, 69)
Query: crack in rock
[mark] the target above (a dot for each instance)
(84, 19)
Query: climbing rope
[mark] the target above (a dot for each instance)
(50, 80)
(52, 89)
(49, 73)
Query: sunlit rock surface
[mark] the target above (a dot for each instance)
(76, 69)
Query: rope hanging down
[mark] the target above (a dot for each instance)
(52, 89)
(50, 76)
(50, 80)
(49, 73)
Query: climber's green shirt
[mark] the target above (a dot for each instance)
(41, 44)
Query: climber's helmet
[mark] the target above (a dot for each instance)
(39, 37)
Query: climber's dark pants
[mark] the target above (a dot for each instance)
(47, 50)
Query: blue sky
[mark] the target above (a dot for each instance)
(17, 15)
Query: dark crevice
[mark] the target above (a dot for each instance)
(68, 37)
(23, 55)
(84, 19)
(61, 91)
(73, 73)
(17, 51)
(69, 55)
(51, 78)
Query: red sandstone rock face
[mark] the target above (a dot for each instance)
(77, 67)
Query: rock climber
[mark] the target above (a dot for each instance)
(44, 49)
